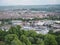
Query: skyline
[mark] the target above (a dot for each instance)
(28, 2)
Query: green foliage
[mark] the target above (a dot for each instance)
(50, 40)
(32, 33)
(31, 40)
(16, 41)
(16, 36)
(40, 42)
(50, 32)
(57, 33)
(40, 36)
(2, 35)
(58, 39)
(18, 27)
(25, 40)
(15, 30)
(23, 32)
(12, 30)
(10, 37)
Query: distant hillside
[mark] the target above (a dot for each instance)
(53, 8)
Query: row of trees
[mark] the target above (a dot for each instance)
(48, 18)
(17, 36)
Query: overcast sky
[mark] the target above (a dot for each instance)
(28, 2)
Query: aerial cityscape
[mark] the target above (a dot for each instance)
(28, 22)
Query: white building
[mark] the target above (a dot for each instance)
(38, 23)
(48, 22)
(16, 22)
(57, 22)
